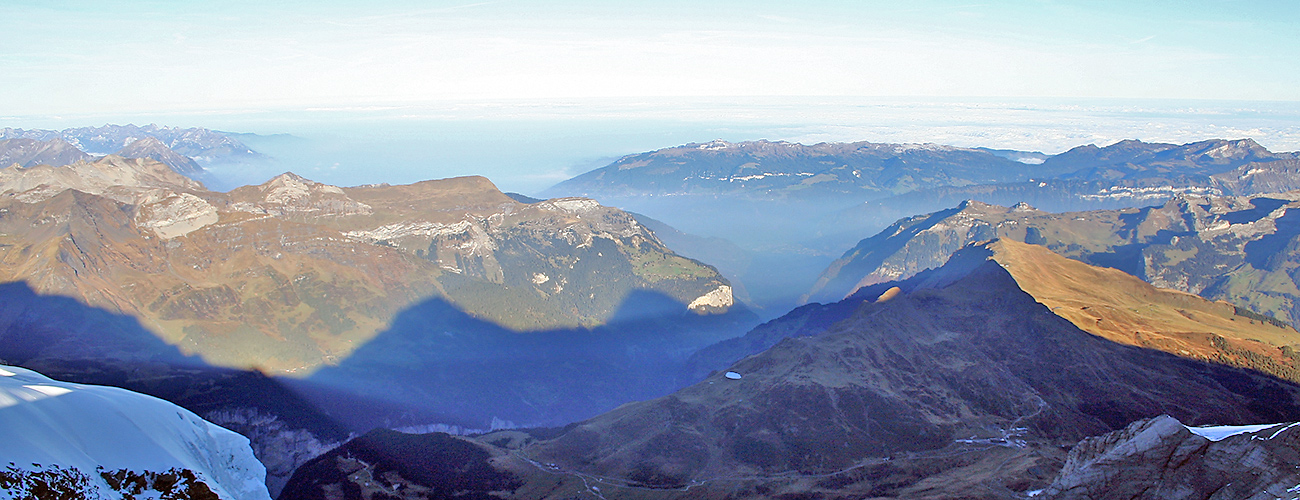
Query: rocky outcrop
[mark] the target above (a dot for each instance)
(1160, 458)
(170, 214)
(279, 446)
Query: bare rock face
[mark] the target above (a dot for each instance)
(171, 214)
(1160, 458)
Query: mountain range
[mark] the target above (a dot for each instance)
(793, 208)
(201, 144)
(182, 149)
(767, 170)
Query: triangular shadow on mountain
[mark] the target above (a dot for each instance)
(436, 364)
(35, 327)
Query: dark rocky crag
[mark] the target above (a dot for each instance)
(390, 464)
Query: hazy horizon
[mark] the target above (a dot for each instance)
(528, 145)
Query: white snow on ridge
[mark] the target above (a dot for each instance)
(47, 422)
(1220, 432)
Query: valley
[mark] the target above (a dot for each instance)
(582, 250)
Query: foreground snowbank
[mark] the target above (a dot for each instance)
(89, 436)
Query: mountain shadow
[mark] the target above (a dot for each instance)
(437, 364)
(1263, 253)
(68, 340)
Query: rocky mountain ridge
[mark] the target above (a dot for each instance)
(1125, 174)
(154, 149)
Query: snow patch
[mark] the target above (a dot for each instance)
(1220, 432)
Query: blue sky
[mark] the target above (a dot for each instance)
(107, 57)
